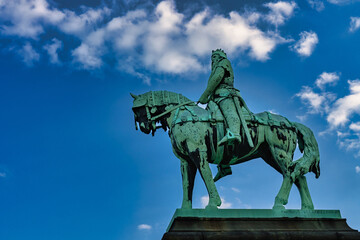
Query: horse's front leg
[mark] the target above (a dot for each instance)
(188, 172)
(200, 159)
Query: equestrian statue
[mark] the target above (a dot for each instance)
(228, 133)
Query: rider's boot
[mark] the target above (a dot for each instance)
(229, 138)
(223, 170)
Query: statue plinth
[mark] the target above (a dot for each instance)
(226, 224)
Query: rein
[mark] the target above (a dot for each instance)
(170, 110)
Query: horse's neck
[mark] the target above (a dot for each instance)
(177, 113)
(171, 117)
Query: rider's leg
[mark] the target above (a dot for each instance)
(229, 111)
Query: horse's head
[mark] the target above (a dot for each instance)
(152, 109)
(143, 112)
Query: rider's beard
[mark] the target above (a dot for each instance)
(214, 64)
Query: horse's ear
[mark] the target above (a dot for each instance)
(134, 96)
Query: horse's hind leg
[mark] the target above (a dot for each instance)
(278, 159)
(282, 197)
(301, 184)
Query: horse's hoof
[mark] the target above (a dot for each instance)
(278, 207)
(211, 207)
(186, 205)
(307, 207)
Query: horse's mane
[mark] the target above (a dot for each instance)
(160, 98)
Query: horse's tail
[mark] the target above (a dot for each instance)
(310, 160)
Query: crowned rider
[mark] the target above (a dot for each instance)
(220, 89)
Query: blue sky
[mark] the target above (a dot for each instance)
(72, 165)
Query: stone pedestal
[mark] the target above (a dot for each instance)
(226, 224)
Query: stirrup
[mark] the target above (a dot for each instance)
(223, 170)
(229, 138)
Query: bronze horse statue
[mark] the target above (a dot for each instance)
(195, 132)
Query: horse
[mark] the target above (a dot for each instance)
(194, 133)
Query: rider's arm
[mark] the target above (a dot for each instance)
(213, 82)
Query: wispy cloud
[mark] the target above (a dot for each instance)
(316, 102)
(2, 174)
(357, 169)
(318, 5)
(342, 2)
(354, 24)
(235, 189)
(144, 227)
(52, 50)
(28, 54)
(306, 44)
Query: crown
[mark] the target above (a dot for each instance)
(220, 52)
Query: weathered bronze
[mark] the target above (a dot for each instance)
(228, 133)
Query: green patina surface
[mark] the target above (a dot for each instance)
(254, 213)
(228, 133)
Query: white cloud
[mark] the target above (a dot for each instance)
(327, 78)
(354, 24)
(317, 102)
(162, 40)
(204, 201)
(235, 189)
(355, 126)
(28, 54)
(88, 56)
(357, 169)
(234, 32)
(318, 5)
(344, 107)
(52, 50)
(26, 18)
(127, 30)
(144, 227)
(2, 174)
(279, 12)
(224, 204)
(171, 44)
(306, 45)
